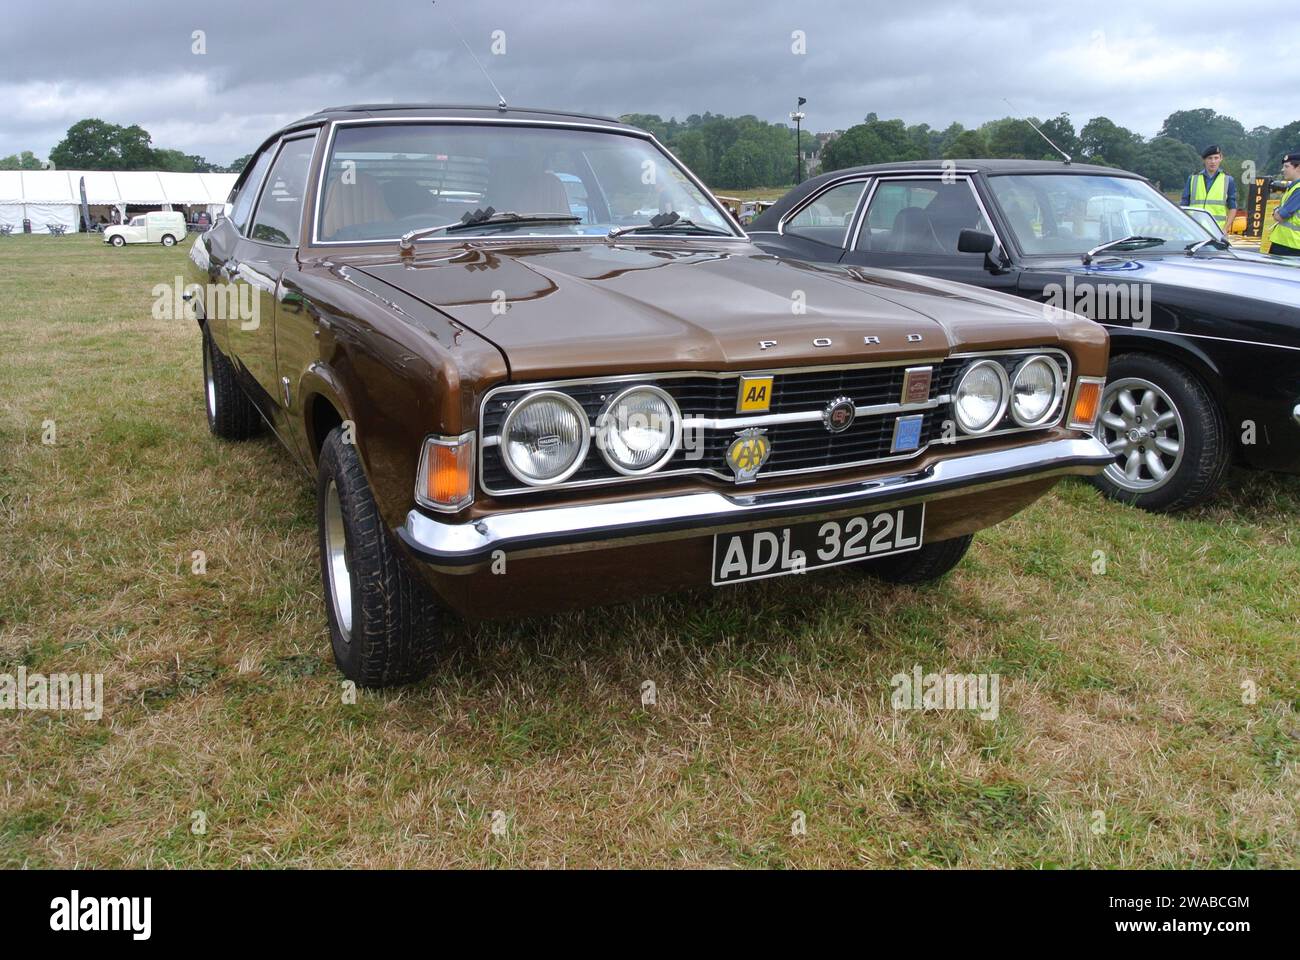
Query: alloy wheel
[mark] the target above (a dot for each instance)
(1141, 424)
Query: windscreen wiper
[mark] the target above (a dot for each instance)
(1192, 247)
(664, 221)
(483, 218)
(1122, 241)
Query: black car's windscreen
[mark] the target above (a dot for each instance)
(383, 180)
(1072, 213)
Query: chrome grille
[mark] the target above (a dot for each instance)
(796, 446)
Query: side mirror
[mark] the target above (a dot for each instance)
(975, 241)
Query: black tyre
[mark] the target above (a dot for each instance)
(384, 623)
(1168, 432)
(117, 240)
(931, 562)
(168, 240)
(231, 415)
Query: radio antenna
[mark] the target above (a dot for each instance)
(501, 101)
(1039, 132)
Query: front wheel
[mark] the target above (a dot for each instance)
(928, 563)
(231, 415)
(384, 623)
(117, 241)
(1167, 432)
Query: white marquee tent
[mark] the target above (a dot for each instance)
(54, 196)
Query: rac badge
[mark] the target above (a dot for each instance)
(838, 415)
(748, 452)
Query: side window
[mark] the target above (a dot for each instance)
(920, 217)
(279, 212)
(243, 205)
(828, 217)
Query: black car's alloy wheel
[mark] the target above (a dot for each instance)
(1166, 431)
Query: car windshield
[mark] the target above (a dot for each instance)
(1072, 213)
(384, 180)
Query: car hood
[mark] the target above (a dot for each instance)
(597, 307)
(1255, 277)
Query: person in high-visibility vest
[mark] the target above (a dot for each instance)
(1212, 189)
(1284, 241)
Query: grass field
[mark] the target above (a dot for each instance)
(1122, 738)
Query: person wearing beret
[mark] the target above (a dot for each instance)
(1284, 241)
(1212, 190)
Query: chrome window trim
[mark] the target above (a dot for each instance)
(317, 211)
(967, 176)
(826, 188)
(491, 440)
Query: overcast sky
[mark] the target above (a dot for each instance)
(269, 62)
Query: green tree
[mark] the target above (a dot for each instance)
(967, 145)
(237, 166)
(93, 144)
(1167, 162)
(1284, 141)
(20, 161)
(1201, 127)
(1103, 141)
(876, 141)
(172, 160)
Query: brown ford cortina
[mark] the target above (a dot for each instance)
(531, 362)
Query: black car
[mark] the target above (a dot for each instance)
(1205, 341)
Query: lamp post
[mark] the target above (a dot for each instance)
(797, 116)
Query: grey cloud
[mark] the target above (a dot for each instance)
(934, 62)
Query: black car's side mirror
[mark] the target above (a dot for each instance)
(975, 241)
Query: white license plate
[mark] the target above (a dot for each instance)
(799, 547)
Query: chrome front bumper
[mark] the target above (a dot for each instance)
(562, 529)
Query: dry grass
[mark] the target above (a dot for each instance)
(1120, 692)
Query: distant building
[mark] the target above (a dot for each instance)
(54, 196)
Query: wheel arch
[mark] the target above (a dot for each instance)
(1187, 354)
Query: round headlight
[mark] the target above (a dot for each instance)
(639, 430)
(981, 397)
(545, 437)
(1035, 391)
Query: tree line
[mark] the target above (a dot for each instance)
(745, 152)
(93, 144)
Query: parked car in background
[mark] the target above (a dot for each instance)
(1205, 339)
(519, 407)
(163, 226)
